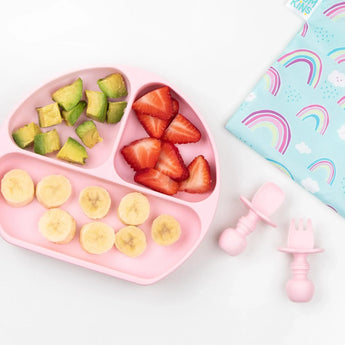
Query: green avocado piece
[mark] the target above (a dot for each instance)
(47, 142)
(88, 133)
(25, 135)
(73, 152)
(97, 104)
(115, 111)
(113, 85)
(69, 95)
(71, 116)
(49, 115)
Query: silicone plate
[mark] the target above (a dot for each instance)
(107, 168)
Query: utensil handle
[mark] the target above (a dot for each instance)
(247, 224)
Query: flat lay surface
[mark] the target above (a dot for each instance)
(214, 54)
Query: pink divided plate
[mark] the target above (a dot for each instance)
(107, 168)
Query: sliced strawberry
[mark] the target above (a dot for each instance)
(175, 106)
(154, 126)
(142, 153)
(171, 163)
(199, 180)
(155, 180)
(155, 103)
(181, 131)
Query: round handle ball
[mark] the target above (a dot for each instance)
(300, 290)
(232, 242)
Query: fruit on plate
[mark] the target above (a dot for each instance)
(199, 180)
(97, 237)
(115, 111)
(49, 115)
(88, 133)
(134, 209)
(175, 106)
(113, 85)
(69, 96)
(155, 103)
(97, 104)
(47, 142)
(17, 188)
(95, 202)
(130, 241)
(57, 226)
(171, 163)
(181, 131)
(72, 116)
(25, 135)
(142, 153)
(165, 230)
(53, 190)
(154, 126)
(73, 152)
(157, 181)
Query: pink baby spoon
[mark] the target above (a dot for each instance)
(300, 243)
(264, 203)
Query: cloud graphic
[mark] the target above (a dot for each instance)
(251, 97)
(310, 185)
(341, 132)
(337, 79)
(303, 148)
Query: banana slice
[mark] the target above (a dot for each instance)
(53, 191)
(97, 237)
(57, 226)
(131, 241)
(134, 209)
(95, 202)
(17, 188)
(165, 230)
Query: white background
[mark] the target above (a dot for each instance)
(214, 52)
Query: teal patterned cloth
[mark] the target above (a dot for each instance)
(295, 116)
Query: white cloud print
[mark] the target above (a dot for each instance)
(341, 132)
(303, 148)
(251, 97)
(310, 185)
(337, 79)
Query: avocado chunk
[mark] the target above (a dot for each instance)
(49, 115)
(71, 116)
(113, 85)
(88, 134)
(25, 135)
(96, 105)
(73, 152)
(47, 142)
(115, 111)
(68, 96)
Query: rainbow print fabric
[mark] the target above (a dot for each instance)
(295, 116)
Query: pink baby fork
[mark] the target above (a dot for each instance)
(300, 243)
(264, 203)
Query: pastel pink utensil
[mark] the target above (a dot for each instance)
(264, 203)
(300, 243)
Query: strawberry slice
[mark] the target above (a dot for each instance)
(199, 180)
(155, 103)
(154, 126)
(181, 131)
(175, 106)
(155, 180)
(142, 153)
(171, 163)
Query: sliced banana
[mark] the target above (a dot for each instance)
(95, 202)
(165, 230)
(57, 226)
(131, 241)
(97, 237)
(53, 191)
(134, 209)
(17, 188)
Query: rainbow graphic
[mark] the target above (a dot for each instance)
(324, 163)
(341, 102)
(338, 54)
(319, 114)
(310, 58)
(281, 167)
(276, 123)
(304, 30)
(272, 79)
(336, 11)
